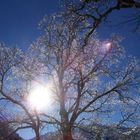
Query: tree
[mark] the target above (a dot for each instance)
(90, 14)
(89, 79)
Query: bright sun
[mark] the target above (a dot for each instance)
(40, 97)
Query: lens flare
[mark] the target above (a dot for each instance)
(108, 45)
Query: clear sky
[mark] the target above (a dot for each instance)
(19, 25)
(19, 19)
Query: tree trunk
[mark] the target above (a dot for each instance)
(98, 136)
(37, 135)
(67, 134)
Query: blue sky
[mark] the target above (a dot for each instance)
(19, 19)
(19, 26)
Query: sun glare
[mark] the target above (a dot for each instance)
(40, 97)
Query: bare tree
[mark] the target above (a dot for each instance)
(87, 79)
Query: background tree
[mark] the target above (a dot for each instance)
(88, 80)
